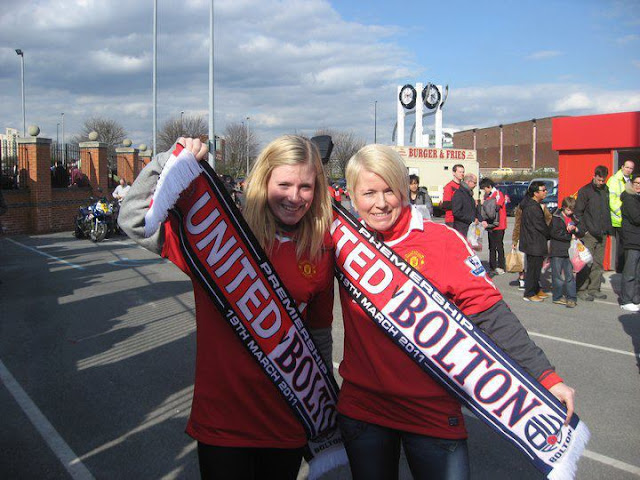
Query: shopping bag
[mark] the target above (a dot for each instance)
(515, 261)
(579, 255)
(474, 236)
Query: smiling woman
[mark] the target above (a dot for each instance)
(239, 417)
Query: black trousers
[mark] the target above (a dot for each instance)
(496, 249)
(238, 463)
(532, 275)
(620, 257)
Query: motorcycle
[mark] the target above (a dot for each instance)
(96, 220)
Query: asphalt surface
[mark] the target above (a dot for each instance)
(97, 355)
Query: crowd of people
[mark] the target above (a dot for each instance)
(600, 209)
(68, 176)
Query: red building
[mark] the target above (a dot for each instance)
(585, 142)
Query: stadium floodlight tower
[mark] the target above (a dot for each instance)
(432, 99)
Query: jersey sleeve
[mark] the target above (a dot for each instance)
(171, 247)
(465, 279)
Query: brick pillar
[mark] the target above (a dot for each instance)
(129, 165)
(37, 152)
(145, 158)
(95, 164)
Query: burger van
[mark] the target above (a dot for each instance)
(434, 166)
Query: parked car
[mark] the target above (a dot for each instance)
(551, 202)
(501, 172)
(514, 192)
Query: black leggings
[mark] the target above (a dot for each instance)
(238, 463)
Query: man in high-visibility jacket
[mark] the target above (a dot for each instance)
(616, 185)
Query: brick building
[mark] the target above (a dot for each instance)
(521, 146)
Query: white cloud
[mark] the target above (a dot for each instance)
(628, 38)
(574, 101)
(290, 65)
(543, 54)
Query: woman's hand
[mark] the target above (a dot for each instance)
(566, 395)
(195, 146)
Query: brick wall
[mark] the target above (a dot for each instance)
(19, 213)
(517, 141)
(37, 207)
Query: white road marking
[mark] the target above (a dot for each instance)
(589, 345)
(612, 462)
(57, 259)
(67, 457)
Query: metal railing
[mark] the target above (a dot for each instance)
(14, 165)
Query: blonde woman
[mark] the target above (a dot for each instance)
(242, 424)
(386, 399)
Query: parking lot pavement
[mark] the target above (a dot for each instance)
(100, 340)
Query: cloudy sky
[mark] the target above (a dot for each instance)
(300, 65)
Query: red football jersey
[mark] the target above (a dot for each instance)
(381, 384)
(234, 403)
(447, 196)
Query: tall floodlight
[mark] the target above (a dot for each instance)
(64, 147)
(212, 135)
(24, 121)
(246, 133)
(375, 122)
(155, 73)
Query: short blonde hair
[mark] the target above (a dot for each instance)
(385, 162)
(288, 150)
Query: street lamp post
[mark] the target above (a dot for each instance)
(64, 150)
(182, 122)
(154, 86)
(24, 121)
(375, 122)
(246, 141)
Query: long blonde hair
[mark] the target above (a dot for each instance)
(310, 231)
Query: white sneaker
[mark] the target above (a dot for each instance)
(630, 307)
(499, 271)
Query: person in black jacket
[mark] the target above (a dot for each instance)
(564, 225)
(463, 205)
(534, 233)
(629, 297)
(592, 208)
(419, 196)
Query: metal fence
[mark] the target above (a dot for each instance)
(66, 154)
(14, 165)
(112, 167)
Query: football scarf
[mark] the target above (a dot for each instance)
(445, 344)
(226, 259)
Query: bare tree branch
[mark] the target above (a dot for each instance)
(109, 131)
(240, 141)
(194, 126)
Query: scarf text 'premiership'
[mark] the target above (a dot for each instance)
(226, 259)
(444, 343)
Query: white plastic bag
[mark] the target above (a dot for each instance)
(579, 255)
(474, 236)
